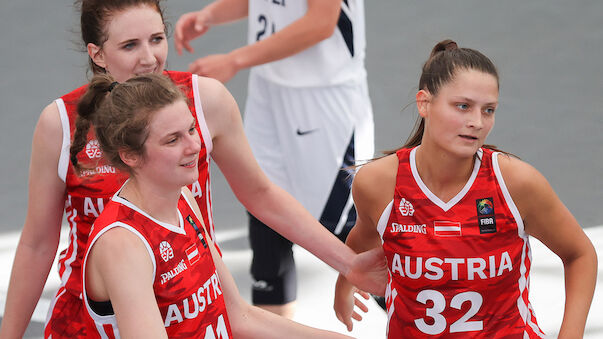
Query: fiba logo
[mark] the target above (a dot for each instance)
(166, 251)
(406, 208)
(93, 149)
(484, 206)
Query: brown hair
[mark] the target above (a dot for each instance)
(445, 60)
(120, 114)
(95, 14)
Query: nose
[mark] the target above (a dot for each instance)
(475, 119)
(147, 56)
(193, 145)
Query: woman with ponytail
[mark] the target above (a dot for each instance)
(149, 259)
(126, 38)
(454, 215)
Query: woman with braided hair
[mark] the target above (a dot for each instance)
(125, 38)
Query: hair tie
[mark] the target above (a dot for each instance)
(112, 86)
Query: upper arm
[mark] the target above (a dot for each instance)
(324, 14)
(231, 150)
(372, 190)
(43, 220)
(119, 269)
(544, 215)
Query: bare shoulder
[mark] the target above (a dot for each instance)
(526, 185)
(118, 247)
(374, 184)
(219, 107)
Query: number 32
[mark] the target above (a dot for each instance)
(439, 304)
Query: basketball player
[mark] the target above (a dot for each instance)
(126, 38)
(454, 216)
(149, 261)
(308, 115)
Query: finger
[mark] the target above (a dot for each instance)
(364, 294)
(188, 47)
(360, 305)
(349, 324)
(356, 316)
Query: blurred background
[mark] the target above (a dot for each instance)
(551, 105)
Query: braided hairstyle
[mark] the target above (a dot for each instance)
(120, 114)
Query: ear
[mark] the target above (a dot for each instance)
(96, 54)
(423, 98)
(131, 159)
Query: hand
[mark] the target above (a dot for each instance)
(369, 271)
(221, 67)
(190, 26)
(344, 302)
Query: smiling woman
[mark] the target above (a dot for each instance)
(125, 38)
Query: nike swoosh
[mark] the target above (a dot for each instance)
(300, 132)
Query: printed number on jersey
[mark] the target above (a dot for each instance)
(439, 304)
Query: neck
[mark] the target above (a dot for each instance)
(158, 202)
(443, 173)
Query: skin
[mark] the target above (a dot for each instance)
(317, 24)
(461, 111)
(40, 236)
(118, 266)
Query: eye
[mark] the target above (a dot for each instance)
(462, 106)
(489, 110)
(129, 45)
(171, 140)
(157, 39)
(192, 130)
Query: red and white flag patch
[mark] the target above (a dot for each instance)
(447, 228)
(192, 253)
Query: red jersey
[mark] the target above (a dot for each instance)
(87, 194)
(186, 284)
(460, 268)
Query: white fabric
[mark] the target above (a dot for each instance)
(326, 63)
(306, 165)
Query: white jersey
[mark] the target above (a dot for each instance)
(335, 60)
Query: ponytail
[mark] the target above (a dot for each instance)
(88, 105)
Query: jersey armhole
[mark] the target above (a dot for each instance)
(382, 223)
(200, 116)
(507, 196)
(64, 156)
(104, 318)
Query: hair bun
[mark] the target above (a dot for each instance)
(445, 45)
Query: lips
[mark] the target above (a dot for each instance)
(190, 164)
(468, 137)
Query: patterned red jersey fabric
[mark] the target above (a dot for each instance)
(460, 268)
(186, 284)
(87, 193)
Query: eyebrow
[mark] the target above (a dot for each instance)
(473, 101)
(193, 124)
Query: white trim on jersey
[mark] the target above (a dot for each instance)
(100, 320)
(507, 195)
(64, 156)
(72, 242)
(382, 223)
(200, 116)
(177, 229)
(434, 198)
(525, 309)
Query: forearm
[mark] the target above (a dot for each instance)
(580, 280)
(28, 276)
(255, 325)
(226, 11)
(281, 212)
(317, 24)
